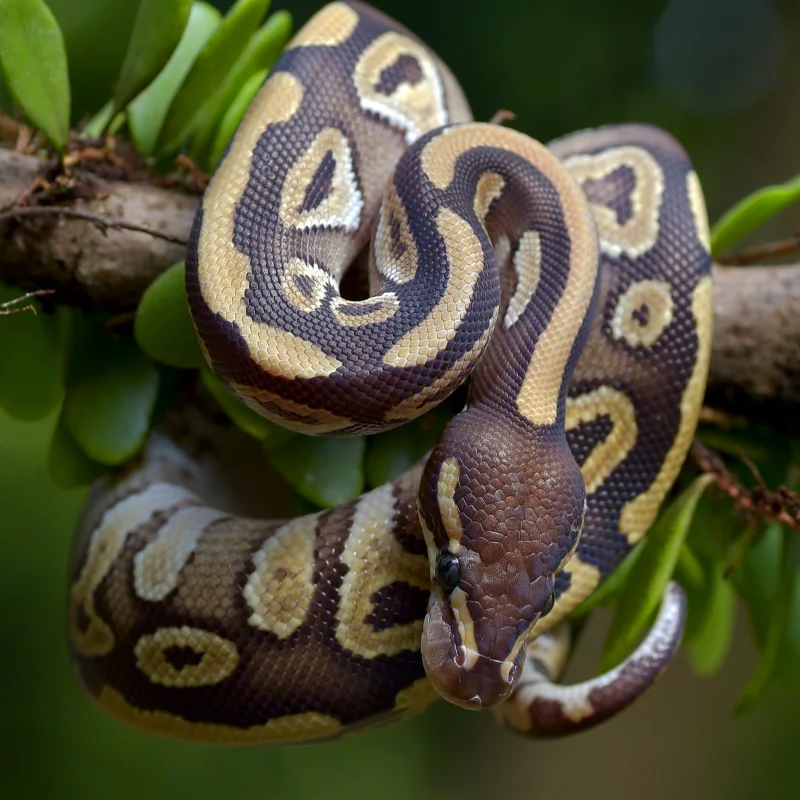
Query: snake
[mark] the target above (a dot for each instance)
(568, 285)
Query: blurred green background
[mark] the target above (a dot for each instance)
(722, 75)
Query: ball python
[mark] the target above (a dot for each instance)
(571, 283)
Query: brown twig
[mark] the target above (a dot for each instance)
(761, 252)
(783, 505)
(502, 115)
(6, 309)
(101, 222)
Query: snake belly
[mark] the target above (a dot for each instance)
(203, 624)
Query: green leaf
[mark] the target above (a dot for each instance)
(709, 639)
(608, 591)
(251, 422)
(147, 112)
(104, 121)
(110, 400)
(757, 578)
(776, 626)
(68, 465)
(233, 116)
(789, 664)
(163, 327)
(34, 64)
(260, 54)
(392, 453)
(156, 32)
(216, 58)
(327, 471)
(752, 211)
(644, 589)
(31, 380)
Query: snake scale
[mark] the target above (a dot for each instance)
(571, 282)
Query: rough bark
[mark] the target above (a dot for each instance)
(85, 263)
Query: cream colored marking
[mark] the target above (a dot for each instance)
(502, 251)
(584, 579)
(430, 544)
(698, 205)
(219, 657)
(639, 233)
(284, 354)
(465, 264)
(415, 108)
(416, 697)
(375, 560)
(157, 566)
(105, 545)
(418, 404)
(280, 588)
(490, 187)
(403, 269)
(304, 727)
(313, 276)
(528, 266)
(223, 270)
(316, 420)
(448, 510)
(508, 663)
(613, 450)
(538, 396)
(389, 306)
(638, 514)
(330, 26)
(343, 205)
(551, 650)
(466, 627)
(657, 297)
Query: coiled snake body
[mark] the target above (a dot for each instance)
(585, 390)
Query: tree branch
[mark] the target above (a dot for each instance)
(102, 252)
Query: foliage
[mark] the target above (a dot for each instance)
(109, 382)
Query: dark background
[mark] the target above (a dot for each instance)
(723, 76)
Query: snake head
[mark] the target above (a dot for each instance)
(500, 516)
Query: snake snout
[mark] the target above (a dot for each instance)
(458, 671)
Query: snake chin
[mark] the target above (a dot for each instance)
(458, 671)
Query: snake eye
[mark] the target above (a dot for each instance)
(448, 570)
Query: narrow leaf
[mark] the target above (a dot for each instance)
(34, 65)
(108, 408)
(147, 112)
(752, 211)
(252, 423)
(608, 591)
(216, 58)
(233, 116)
(261, 53)
(776, 626)
(645, 586)
(163, 327)
(156, 32)
(327, 471)
(712, 635)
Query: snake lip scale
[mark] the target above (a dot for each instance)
(570, 283)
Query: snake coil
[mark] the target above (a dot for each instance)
(571, 282)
